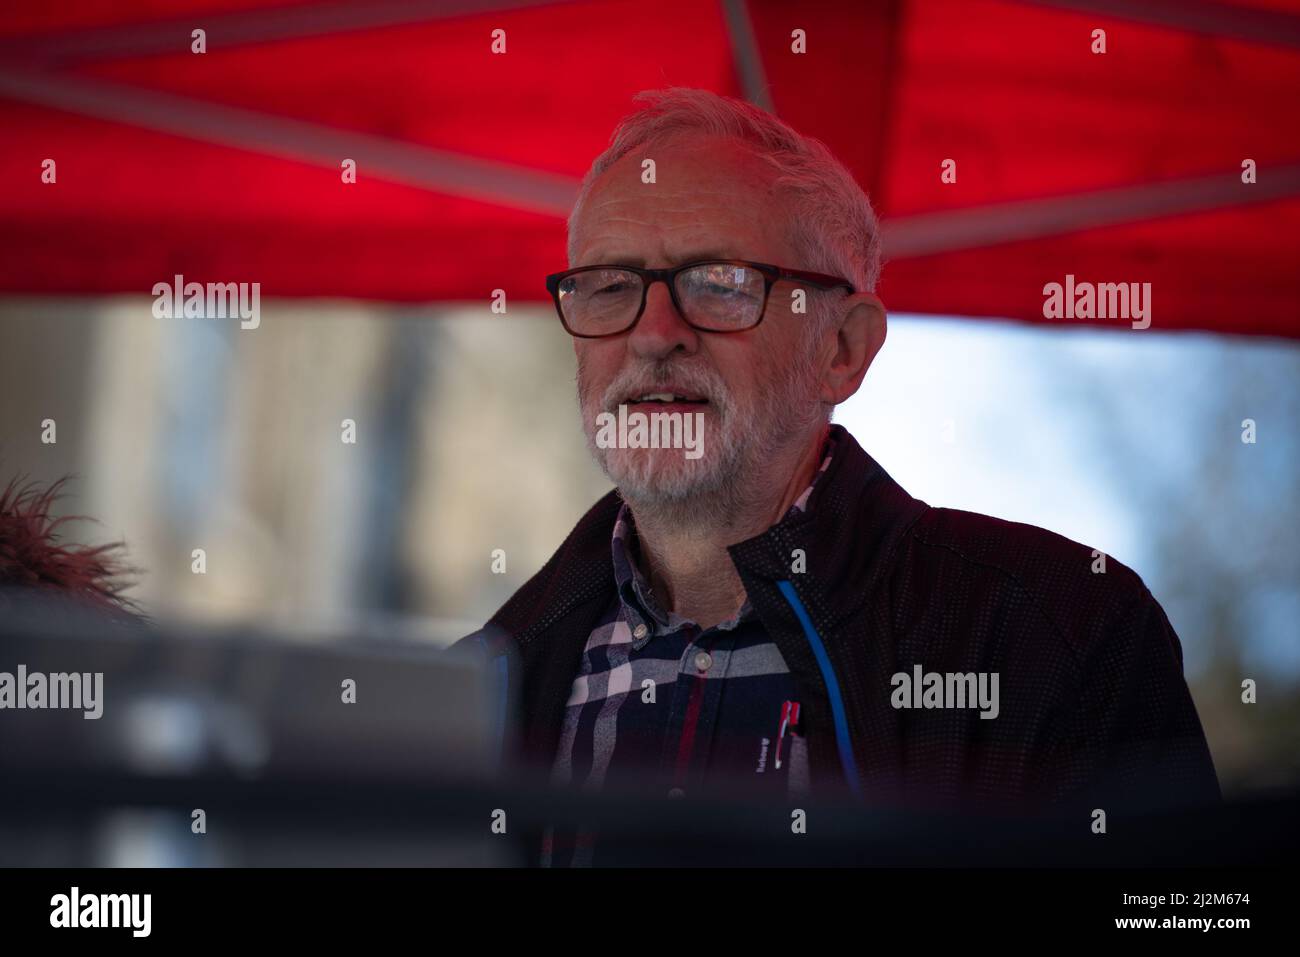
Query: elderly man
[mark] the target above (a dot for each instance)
(775, 608)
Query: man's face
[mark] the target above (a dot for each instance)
(712, 199)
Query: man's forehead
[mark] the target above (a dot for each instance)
(709, 201)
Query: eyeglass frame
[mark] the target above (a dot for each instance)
(771, 276)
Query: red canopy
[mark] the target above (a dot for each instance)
(1117, 167)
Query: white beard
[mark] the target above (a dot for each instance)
(729, 477)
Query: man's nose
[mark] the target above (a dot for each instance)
(661, 330)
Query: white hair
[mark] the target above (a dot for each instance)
(832, 227)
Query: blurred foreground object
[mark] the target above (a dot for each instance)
(171, 742)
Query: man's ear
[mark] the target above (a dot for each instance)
(858, 337)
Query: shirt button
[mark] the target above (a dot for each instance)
(703, 661)
(639, 631)
(676, 793)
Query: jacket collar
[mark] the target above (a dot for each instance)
(855, 518)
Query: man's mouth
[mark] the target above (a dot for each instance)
(665, 402)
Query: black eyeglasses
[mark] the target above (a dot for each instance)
(715, 295)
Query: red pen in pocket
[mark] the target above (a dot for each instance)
(789, 721)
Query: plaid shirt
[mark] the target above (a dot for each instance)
(658, 696)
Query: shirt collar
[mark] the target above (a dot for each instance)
(643, 612)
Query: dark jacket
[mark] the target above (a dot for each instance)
(1092, 704)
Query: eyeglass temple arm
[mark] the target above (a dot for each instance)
(816, 279)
